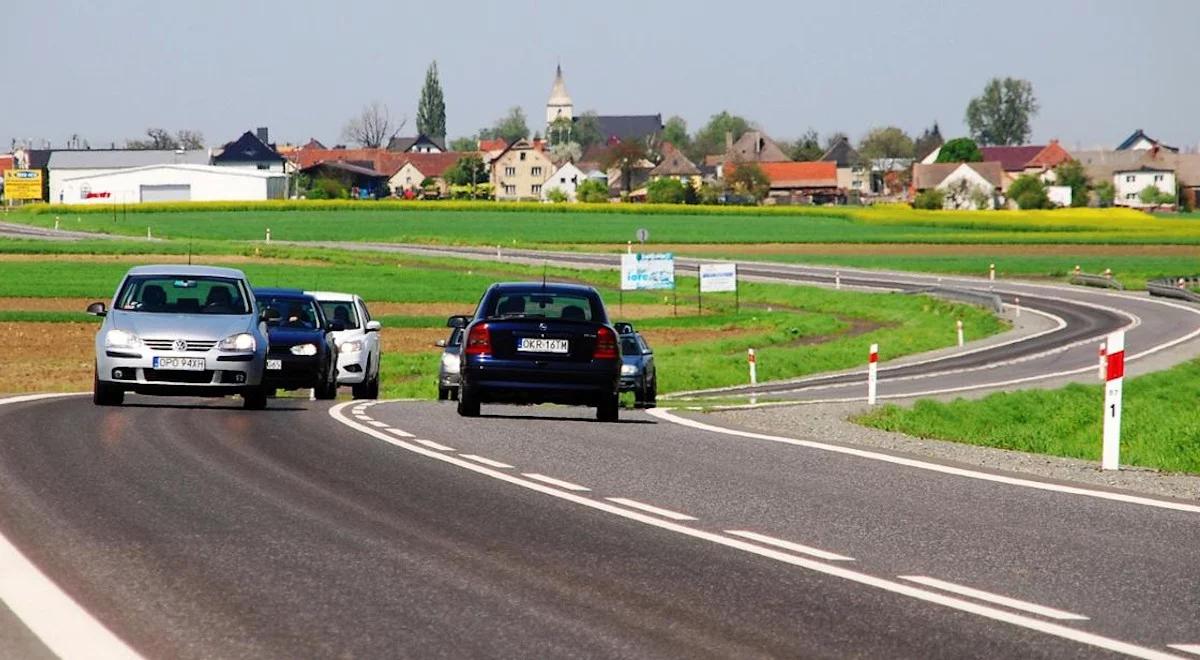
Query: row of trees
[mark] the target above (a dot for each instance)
(373, 127)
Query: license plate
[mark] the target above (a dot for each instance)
(179, 363)
(533, 345)
(274, 365)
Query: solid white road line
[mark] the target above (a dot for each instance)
(788, 545)
(1026, 606)
(50, 613)
(402, 434)
(555, 482)
(1194, 649)
(665, 513)
(378, 425)
(925, 465)
(892, 586)
(486, 461)
(428, 443)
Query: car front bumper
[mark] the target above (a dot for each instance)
(353, 367)
(133, 370)
(296, 371)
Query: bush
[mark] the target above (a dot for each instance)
(1106, 192)
(557, 195)
(930, 200)
(1029, 192)
(1152, 196)
(328, 188)
(665, 191)
(591, 191)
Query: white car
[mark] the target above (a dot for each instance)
(358, 345)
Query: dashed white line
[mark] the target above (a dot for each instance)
(665, 513)
(378, 425)
(402, 434)
(555, 482)
(1194, 649)
(486, 461)
(977, 594)
(428, 443)
(788, 545)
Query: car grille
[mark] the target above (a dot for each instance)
(174, 376)
(193, 345)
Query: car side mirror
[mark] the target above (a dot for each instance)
(336, 326)
(648, 352)
(457, 322)
(269, 314)
(97, 309)
(441, 343)
(373, 326)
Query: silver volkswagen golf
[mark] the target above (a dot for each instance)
(180, 330)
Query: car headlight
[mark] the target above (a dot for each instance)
(304, 349)
(629, 370)
(450, 363)
(351, 346)
(241, 342)
(121, 339)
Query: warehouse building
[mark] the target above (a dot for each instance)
(73, 164)
(172, 183)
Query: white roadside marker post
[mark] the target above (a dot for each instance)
(872, 373)
(992, 272)
(497, 252)
(1103, 363)
(1017, 305)
(1114, 381)
(629, 247)
(148, 233)
(752, 360)
(837, 279)
(268, 234)
(56, 223)
(958, 326)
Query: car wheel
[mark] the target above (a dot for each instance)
(443, 393)
(328, 388)
(651, 399)
(468, 403)
(104, 394)
(606, 410)
(453, 393)
(254, 398)
(373, 389)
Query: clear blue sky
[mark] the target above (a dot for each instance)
(108, 70)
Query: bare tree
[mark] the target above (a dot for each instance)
(190, 139)
(372, 128)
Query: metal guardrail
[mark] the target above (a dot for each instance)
(1179, 288)
(1102, 281)
(982, 298)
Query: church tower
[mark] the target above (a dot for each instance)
(559, 105)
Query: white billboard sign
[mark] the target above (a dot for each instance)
(654, 270)
(715, 278)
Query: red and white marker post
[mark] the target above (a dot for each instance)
(872, 373)
(752, 360)
(1114, 379)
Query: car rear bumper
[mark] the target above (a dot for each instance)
(224, 373)
(566, 384)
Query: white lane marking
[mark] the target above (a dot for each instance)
(486, 461)
(555, 482)
(50, 613)
(361, 416)
(428, 443)
(402, 434)
(665, 513)
(891, 586)
(378, 425)
(1032, 608)
(933, 467)
(788, 545)
(1194, 649)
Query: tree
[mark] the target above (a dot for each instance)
(159, 138)
(675, 132)
(626, 157)
(748, 179)
(431, 109)
(564, 151)
(373, 127)
(930, 200)
(586, 131)
(557, 195)
(960, 150)
(1106, 192)
(592, 191)
(930, 139)
(1001, 114)
(559, 131)
(665, 191)
(1152, 196)
(806, 148)
(711, 139)
(512, 126)
(466, 171)
(1071, 173)
(962, 194)
(886, 142)
(1029, 192)
(464, 144)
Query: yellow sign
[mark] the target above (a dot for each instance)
(22, 184)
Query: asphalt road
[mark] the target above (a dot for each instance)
(196, 529)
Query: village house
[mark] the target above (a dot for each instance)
(421, 144)
(963, 184)
(418, 168)
(799, 182)
(1131, 170)
(1036, 160)
(566, 179)
(852, 174)
(520, 170)
(674, 165)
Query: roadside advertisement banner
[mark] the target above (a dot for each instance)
(715, 278)
(654, 270)
(22, 184)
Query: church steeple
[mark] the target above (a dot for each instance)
(559, 105)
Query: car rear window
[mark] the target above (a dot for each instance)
(341, 310)
(296, 313)
(542, 305)
(166, 294)
(629, 346)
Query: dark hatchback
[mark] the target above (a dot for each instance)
(302, 352)
(540, 343)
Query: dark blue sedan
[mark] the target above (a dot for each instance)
(302, 352)
(531, 343)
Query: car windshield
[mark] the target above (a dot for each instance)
(629, 346)
(297, 313)
(167, 294)
(341, 310)
(542, 305)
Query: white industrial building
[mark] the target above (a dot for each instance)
(63, 165)
(170, 183)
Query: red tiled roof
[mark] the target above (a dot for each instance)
(430, 164)
(809, 174)
(1012, 159)
(1050, 157)
(493, 145)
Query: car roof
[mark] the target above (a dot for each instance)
(188, 270)
(281, 292)
(560, 287)
(332, 296)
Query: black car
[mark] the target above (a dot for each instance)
(638, 373)
(539, 343)
(302, 351)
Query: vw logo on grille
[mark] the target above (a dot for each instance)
(543, 327)
(181, 344)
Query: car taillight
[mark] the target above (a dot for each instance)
(606, 345)
(479, 340)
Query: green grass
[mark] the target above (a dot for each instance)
(21, 316)
(1160, 428)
